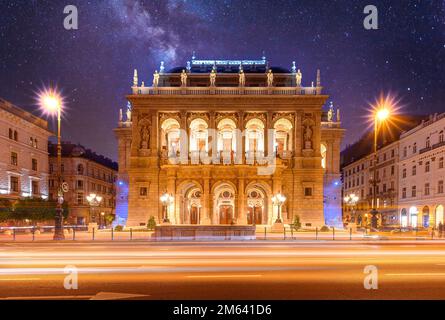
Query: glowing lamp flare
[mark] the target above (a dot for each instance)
(50, 101)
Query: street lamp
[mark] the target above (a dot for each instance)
(351, 200)
(51, 103)
(278, 200)
(166, 200)
(94, 200)
(102, 220)
(380, 116)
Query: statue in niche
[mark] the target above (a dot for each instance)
(213, 78)
(156, 79)
(184, 78)
(331, 112)
(308, 136)
(338, 115)
(270, 78)
(145, 137)
(298, 78)
(128, 112)
(242, 78)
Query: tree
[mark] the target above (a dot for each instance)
(35, 210)
(151, 223)
(297, 223)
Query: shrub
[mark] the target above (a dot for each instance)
(151, 223)
(119, 228)
(324, 229)
(297, 223)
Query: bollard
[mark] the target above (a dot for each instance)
(265, 233)
(350, 233)
(333, 233)
(292, 233)
(112, 234)
(131, 234)
(33, 233)
(94, 229)
(316, 233)
(13, 233)
(432, 234)
(284, 233)
(74, 234)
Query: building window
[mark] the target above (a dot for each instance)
(414, 147)
(35, 187)
(62, 167)
(404, 193)
(384, 157)
(440, 136)
(427, 189)
(14, 158)
(11, 134)
(427, 166)
(404, 173)
(405, 153)
(34, 164)
(428, 142)
(440, 187)
(413, 191)
(392, 153)
(80, 169)
(16, 136)
(414, 171)
(93, 186)
(143, 191)
(441, 163)
(51, 168)
(14, 184)
(393, 170)
(51, 183)
(79, 184)
(308, 192)
(80, 198)
(384, 187)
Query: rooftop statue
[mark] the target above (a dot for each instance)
(294, 67)
(270, 78)
(331, 112)
(162, 67)
(128, 112)
(298, 78)
(156, 79)
(242, 78)
(184, 78)
(213, 78)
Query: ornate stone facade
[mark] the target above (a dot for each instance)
(222, 151)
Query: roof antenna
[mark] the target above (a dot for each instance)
(193, 55)
(264, 56)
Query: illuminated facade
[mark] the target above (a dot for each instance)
(23, 154)
(220, 139)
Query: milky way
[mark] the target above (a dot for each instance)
(94, 64)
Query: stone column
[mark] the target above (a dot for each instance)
(171, 189)
(205, 213)
(242, 218)
(243, 139)
(268, 150)
(297, 133)
(212, 140)
(154, 133)
(317, 135)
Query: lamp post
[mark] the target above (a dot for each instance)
(166, 200)
(278, 200)
(94, 201)
(351, 200)
(51, 103)
(102, 220)
(380, 116)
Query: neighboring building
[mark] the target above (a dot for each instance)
(357, 179)
(422, 174)
(210, 139)
(23, 153)
(86, 173)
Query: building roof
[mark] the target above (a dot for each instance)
(25, 115)
(364, 146)
(78, 151)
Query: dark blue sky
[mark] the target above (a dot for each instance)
(94, 64)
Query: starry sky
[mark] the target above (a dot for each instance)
(94, 64)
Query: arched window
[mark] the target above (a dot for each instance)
(170, 138)
(283, 135)
(16, 135)
(254, 136)
(198, 135)
(226, 135)
(428, 142)
(441, 136)
(80, 169)
(11, 134)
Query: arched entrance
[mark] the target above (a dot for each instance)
(255, 207)
(413, 212)
(225, 204)
(194, 203)
(439, 215)
(403, 218)
(189, 195)
(426, 217)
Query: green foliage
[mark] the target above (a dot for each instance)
(151, 223)
(324, 229)
(109, 219)
(35, 210)
(119, 228)
(297, 223)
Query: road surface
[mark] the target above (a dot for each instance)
(223, 270)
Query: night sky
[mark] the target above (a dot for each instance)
(94, 65)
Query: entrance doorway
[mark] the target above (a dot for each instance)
(194, 215)
(255, 215)
(225, 214)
